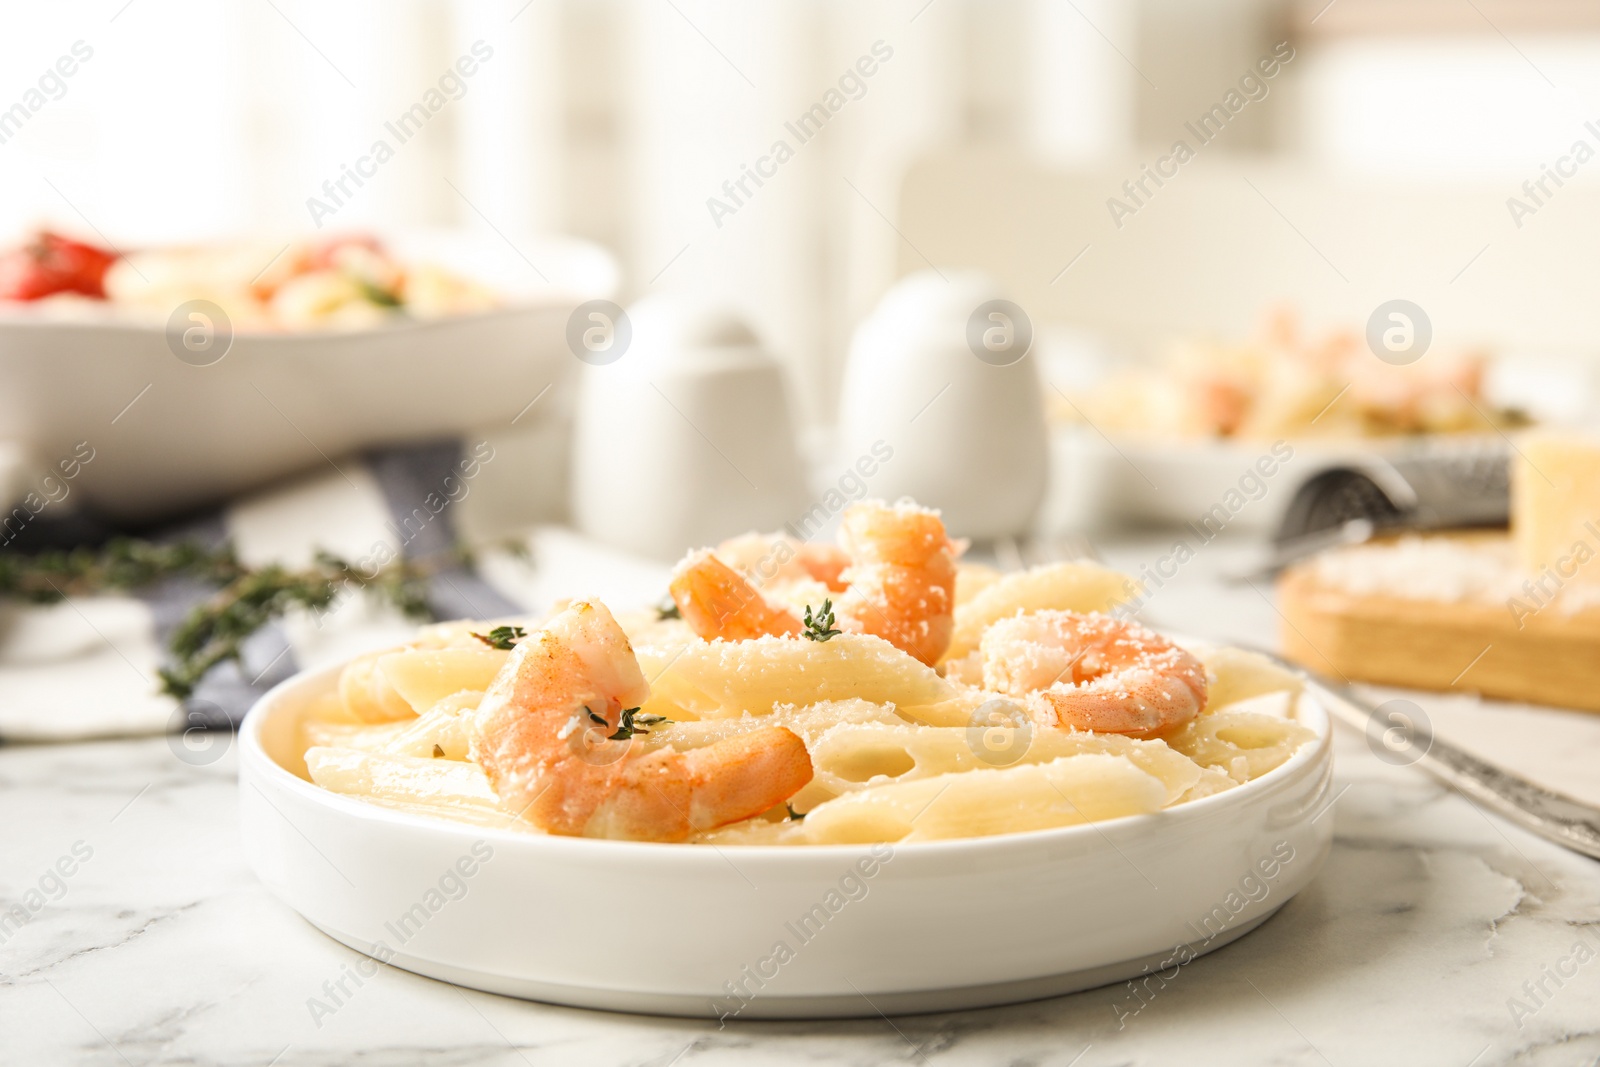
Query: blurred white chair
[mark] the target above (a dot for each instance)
(1227, 238)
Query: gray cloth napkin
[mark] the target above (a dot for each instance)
(87, 667)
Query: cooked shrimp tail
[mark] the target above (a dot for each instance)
(901, 578)
(741, 776)
(545, 734)
(824, 563)
(717, 601)
(1093, 672)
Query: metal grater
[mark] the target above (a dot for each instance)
(1430, 484)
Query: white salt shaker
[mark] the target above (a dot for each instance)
(686, 437)
(941, 372)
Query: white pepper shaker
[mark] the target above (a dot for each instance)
(942, 371)
(686, 437)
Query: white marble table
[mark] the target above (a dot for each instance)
(1427, 928)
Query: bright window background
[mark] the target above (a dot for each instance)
(1463, 108)
(615, 120)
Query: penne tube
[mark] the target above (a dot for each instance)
(444, 731)
(1245, 744)
(1238, 674)
(321, 733)
(438, 784)
(849, 757)
(423, 677)
(1075, 586)
(722, 679)
(1064, 792)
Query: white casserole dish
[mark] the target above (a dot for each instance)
(694, 930)
(1247, 486)
(167, 435)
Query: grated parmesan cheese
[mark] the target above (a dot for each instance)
(1443, 570)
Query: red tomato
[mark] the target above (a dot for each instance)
(329, 253)
(51, 263)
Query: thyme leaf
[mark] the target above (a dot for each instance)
(245, 600)
(374, 294)
(820, 627)
(215, 630)
(504, 638)
(635, 723)
(121, 564)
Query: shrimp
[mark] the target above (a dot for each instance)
(824, 563)
(780, 559)
(1093, 672)
(717, 601)
(901, 578)
(895, 567)
(542, 735)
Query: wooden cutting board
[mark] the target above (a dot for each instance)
(1550, 658)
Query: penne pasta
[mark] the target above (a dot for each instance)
(848, 758)
(810, 722)
(444, 731)
(874, 745)
(1243, 744)
(1064, 792)
(423, 677)
(721, 679)
(1238, 674)
(317, 733)
(974, 578)
(1074, 586)
(1210, 782)
(440, 786)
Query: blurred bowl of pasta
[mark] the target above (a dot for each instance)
(1214, 434)
(196, 373)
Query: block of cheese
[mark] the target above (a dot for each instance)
(1555, 504)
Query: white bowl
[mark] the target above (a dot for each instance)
(168, 435)
(673, 929)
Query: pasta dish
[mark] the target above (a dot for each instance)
(877, 690)
(1286, 384)
(345, 282)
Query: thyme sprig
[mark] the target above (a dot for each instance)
(820, 627)
(122, 565)
(635, 723)
(375, 294)
(246, 599)
(214, 632)
(504, 638)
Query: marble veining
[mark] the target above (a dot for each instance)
(1433, 936)
(1425, 923)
